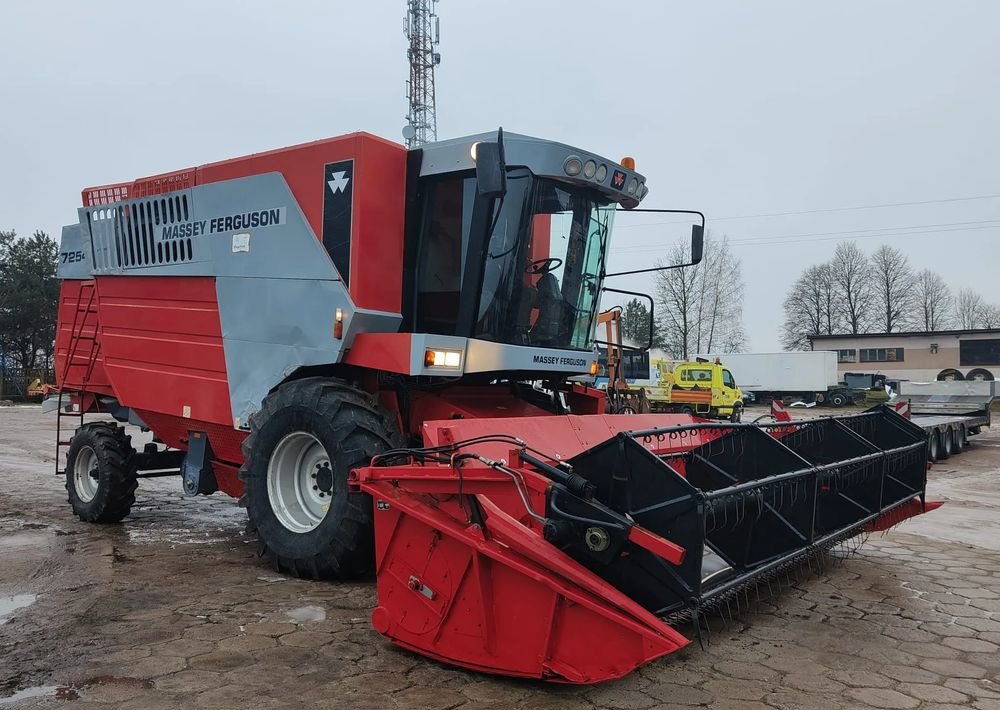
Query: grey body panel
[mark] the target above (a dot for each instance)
(272, 327)
(75, 258)
(280, 250)
(542, 157)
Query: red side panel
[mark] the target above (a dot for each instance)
(162, 345)
(377, 245)
(75, 334)
(389, 352)
(376, 272)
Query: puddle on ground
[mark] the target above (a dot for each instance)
(304, 614)
(172, 536)
(70, 692)
(27, 539)
(41, 691)
(8, 605)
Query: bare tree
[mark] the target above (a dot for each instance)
(970, 309)
(720, 299)
(810, 308)
(852, 277)
(700, 309)
(892, 283)
(991, 316)
(933, 301)
(676, 294)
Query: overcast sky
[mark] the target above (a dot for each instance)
(734, 108)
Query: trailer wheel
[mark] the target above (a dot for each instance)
(933, 446)
(963, 434)
(838, 399)
(956, 439)
(303, 442)
(101, 473)
(946, 443)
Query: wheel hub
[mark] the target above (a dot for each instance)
(324, 477)
(86, 475)
(300, 482)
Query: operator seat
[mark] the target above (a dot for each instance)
(550, 308)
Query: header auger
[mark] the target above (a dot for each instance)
(380, 350)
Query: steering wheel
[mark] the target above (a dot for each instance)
(544, 266)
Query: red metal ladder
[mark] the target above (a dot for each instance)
(61, 412)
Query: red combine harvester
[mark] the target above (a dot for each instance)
(380, 352)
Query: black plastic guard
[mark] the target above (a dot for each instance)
(757, 496)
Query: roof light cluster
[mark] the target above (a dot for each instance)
(575, 166)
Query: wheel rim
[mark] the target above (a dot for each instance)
(299, 482)
(85, 474)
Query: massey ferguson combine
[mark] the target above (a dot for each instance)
(377, 351)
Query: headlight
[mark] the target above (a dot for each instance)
(602, 172)
(589, 168)
(443, 358)
(633, 184)
(572, 166)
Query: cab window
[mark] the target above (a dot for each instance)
(727, 379)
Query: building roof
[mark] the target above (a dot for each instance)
(906, 334)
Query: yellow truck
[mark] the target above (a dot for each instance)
(703, 388)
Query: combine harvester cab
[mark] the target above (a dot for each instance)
(518, 562)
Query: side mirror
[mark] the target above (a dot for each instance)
(491, 168)
(697, 242)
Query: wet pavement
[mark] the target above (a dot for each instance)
(172, 609)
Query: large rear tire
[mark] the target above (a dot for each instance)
(100, 473)
(303, 442)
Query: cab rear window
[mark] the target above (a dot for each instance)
(696, 376)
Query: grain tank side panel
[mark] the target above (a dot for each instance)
(162, 345)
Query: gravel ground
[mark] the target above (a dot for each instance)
(173, 610)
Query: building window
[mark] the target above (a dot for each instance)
(979, 352)
(881, 354)
(847, 355)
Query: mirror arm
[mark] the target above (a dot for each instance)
(658, 268)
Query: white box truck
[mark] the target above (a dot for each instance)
(809, 376)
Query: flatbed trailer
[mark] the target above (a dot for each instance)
(950, 412)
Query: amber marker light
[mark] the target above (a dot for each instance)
(338, 324)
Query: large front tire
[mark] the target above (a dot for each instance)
(101, 473)
(303, 442)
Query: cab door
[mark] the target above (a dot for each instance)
(729, 392)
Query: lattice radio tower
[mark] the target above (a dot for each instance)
(422, 28)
